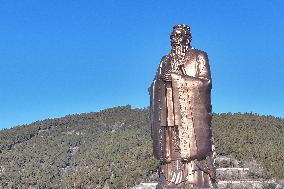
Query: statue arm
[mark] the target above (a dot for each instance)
(203, 69)
(163, 72)
(197, 80)
(160, 75)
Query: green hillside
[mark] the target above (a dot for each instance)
(113, 148)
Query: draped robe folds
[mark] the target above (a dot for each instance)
(181, 110)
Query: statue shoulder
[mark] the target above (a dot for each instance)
(200, 56)
(164, 60)
(162, 65)
(202, 64)
(200, 53)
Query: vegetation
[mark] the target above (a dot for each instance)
(251, 137)
(113, 148)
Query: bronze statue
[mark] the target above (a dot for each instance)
(181, 116)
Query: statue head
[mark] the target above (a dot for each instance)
(180, 35)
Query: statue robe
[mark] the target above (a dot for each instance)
(184, 103)
(180, 112)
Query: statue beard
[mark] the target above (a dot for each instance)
(178, 56)
(179, 49)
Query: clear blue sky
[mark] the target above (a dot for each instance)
(64, 57)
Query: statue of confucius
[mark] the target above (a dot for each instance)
(181, 116)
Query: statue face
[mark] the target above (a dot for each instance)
(178, 38)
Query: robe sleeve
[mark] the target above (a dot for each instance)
(203, 69)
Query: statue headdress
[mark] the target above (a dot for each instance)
(186, 30)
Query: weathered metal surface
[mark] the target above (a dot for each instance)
(181, 115)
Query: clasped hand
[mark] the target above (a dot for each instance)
(166, 77)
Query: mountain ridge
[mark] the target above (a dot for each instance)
(113, 148)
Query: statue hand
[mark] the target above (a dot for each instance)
(166, 77)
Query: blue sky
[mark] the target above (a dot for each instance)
(64, 57)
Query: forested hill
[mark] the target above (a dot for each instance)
(113, 148)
